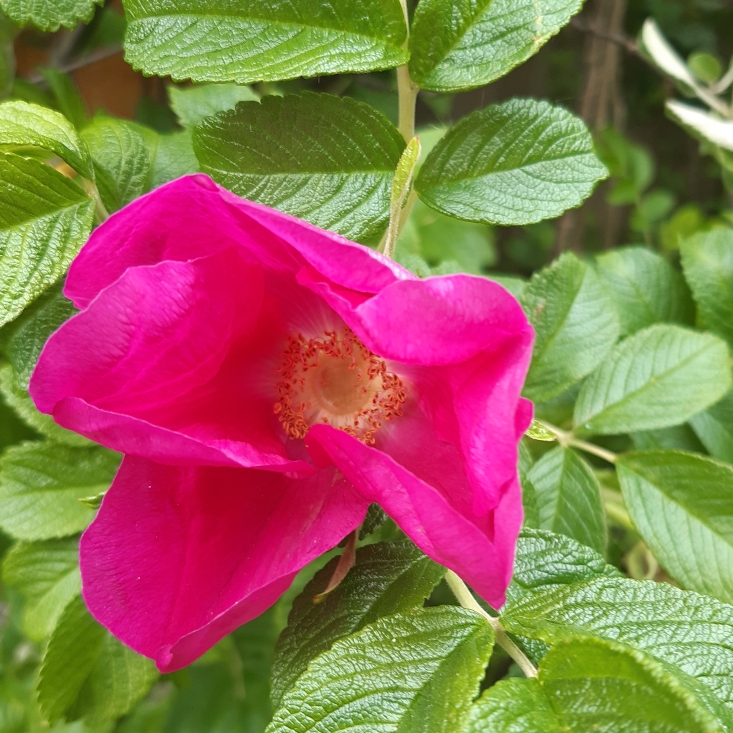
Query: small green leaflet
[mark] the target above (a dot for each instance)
(24, 125)
(387, 578)
(575, 323)
(46, 574)
(407, 672)
(682, 505)
(263, 40)
(682, 628)
(593, 685)
(455, 46)
(44, 220)
(50, 15)
(645, 288)
(537, 431)
(569, 498)
(41, 484)
(326, 159)
(514, 163)
(707, 261)
(87, 673)
(194, 104)
(659, 377)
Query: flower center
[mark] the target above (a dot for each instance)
(336, 380)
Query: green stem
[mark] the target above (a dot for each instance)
(407, 91)
(465, 598)
(568, 440)
(100, 212)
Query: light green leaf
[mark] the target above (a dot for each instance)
(707, 261)
(122, 159)
(50, 15)
(41, 484)
(44, 220)
(679, 627)
(512, 163)
(173, 157)
(19, 400)
(714, 427)
(569, 497)
(659, 377)
(194, 104)
(87, 673)
(596, 685)
(408, 673)
(46, 574)
(537, 431)
(455, 46)
(24, 125)
(262, 40)
(645, 288)
(387, 578)
(575, 322)
(682, 505)
(326, 159)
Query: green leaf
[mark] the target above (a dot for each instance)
(408, 673)
(538, 431)
(714, 428)
(19, 400)
(26, 343)
(25, 125)
(46, 574)
(569, 497)
(194, 104)
(50, 15)
(122, 159)
(326, 159)
(575, 322)
(87, 673)
(659, 377)
(679, 627)
(455, 46)
(8, 31)
(512, 163)
(682, 505)
(387, 578)
(546, 560)
(67, 96)
(262, 40)
(44, 220)
(707, 261)
(645, 288)
(594, 684)
(41, 484)
(173, 157)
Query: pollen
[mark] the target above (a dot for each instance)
(335, 380)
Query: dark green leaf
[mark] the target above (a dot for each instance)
(44, 220)
(413, 673)
(194, 104)
(512, 163)
(645, 288)
(677, 437)
(714, 428)
(67, 97)
(575, 322)
(41, 484)
(173, 157)
(680, 627)
(262, 40)
(707, 260)
(659, 377)
(326, 159)
(569, 498)
(46, 574)
(387, 578)
(49, 15)
(8, 31)
(24, 125)
(682, 505)
(458, 46)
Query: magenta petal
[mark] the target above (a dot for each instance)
(480, 549)
(179, 557)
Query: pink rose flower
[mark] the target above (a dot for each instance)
(267, 381)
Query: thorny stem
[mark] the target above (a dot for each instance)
(568, 440)
(466, 599)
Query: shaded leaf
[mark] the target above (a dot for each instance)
(194, 104)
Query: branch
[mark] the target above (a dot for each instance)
(618, 38)
(99, 54)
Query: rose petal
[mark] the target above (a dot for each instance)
(179, 557)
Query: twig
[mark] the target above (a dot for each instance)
(99, 54)
(618, 38)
